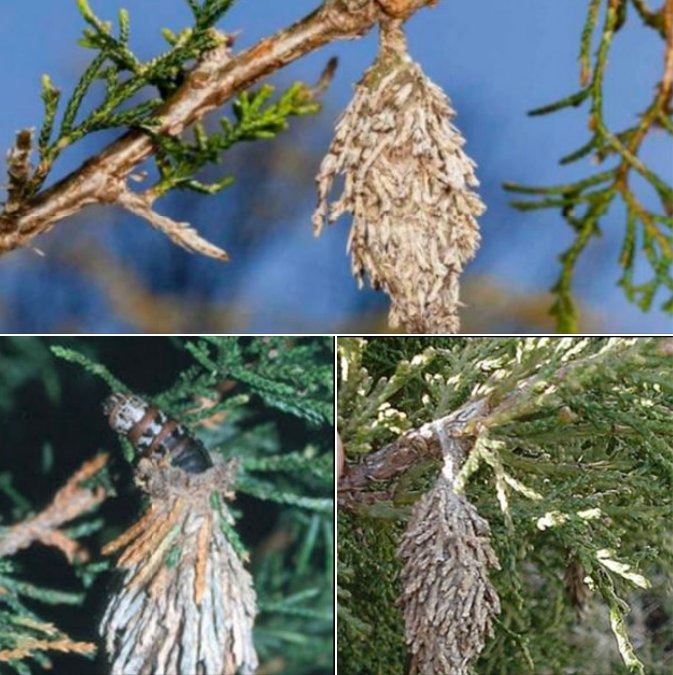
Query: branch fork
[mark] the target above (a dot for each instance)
(215, 79)
(180, 233)
(70, 502)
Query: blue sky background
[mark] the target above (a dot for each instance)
(495, 59)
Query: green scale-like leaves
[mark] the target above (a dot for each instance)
(130, 100)
(586, 203)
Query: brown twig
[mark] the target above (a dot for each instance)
(649, 120)
(650, 17)
(27, 646)
(71, 501)
(180, 233)
(212, 82)
(425, 442)
(667, 79)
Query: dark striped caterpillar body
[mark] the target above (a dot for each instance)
(186, 603)
(154, 435)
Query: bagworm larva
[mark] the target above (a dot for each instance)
(154, 434)
(186, 603)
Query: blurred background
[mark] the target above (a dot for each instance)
(106, 271)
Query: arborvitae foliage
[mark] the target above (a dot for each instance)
(266, 401)
(570, 460)
(63, 520)
(135, 94)
(125, 75)
(585, 202)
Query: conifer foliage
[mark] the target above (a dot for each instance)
(135, 100)
(619, 165)
(249, 538)
(555, 463)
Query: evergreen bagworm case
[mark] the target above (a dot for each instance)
(186, 603)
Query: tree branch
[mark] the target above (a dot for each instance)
(437, 438)
(208, 86)
(425, 442)
(70, 502)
